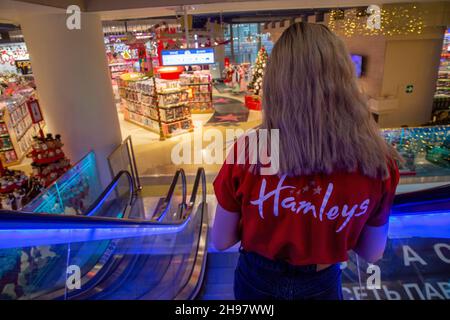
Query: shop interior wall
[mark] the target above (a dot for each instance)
(411, 62)
(373, 49)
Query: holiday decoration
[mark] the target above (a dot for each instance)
(49, 161)
(394, 20)
(255, 85)
(253, 101)
(228, 74)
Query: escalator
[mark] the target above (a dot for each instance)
(114, 252)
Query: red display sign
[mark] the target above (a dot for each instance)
(35, 110)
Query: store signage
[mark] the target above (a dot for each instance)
(35, 110)
(186, 57)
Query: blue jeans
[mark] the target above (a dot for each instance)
(259, 278)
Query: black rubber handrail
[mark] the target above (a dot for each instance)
(431, 194)
(26, 220)
(162, 210)
(191, 289)
(112, 184)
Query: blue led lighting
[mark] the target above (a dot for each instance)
(33, 237)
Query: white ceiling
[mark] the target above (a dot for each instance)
(14, 11)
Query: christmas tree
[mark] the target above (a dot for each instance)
(258, 72)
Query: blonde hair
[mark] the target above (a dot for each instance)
(310, 94)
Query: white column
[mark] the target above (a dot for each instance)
(73, 84)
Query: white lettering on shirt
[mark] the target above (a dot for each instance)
(291, 203)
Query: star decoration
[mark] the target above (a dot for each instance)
(317, 190)
(228, 117)
(305, 188)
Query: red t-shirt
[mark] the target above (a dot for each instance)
(304, 220)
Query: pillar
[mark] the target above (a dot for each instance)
(73, 84)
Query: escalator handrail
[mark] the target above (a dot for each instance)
(200, 175)
(166, 203)
(92, 208)
(14, 220)
(191, 289)
(431, 194)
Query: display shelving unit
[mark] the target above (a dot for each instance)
(16, 130)
(443, 81)
(199, 87)
(157, 105)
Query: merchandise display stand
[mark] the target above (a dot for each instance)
(157, 105)
(49, 161)
(199, 87)
(16, 130)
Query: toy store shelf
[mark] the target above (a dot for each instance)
(121, 63)
(178, 132)
(202, 111)
(141, 124)
(19, 137)
(170, 91)
(205, 102)
(195, 84)
(175, 105)
(142, 115)
(162, 121)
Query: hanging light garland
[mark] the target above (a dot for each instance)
(395, 20)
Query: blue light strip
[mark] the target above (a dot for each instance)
(104, 199)
(34, 237)
(423, 225)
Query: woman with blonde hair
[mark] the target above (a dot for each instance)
(335, 182)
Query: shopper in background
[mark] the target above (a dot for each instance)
(335, 185)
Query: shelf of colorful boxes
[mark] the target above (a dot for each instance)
(13, 188)
(199, 87)
(49, 160)
(163, 109)
(119, 68)
(16, 128)
(443, 81)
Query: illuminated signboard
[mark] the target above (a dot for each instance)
(187, 57)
